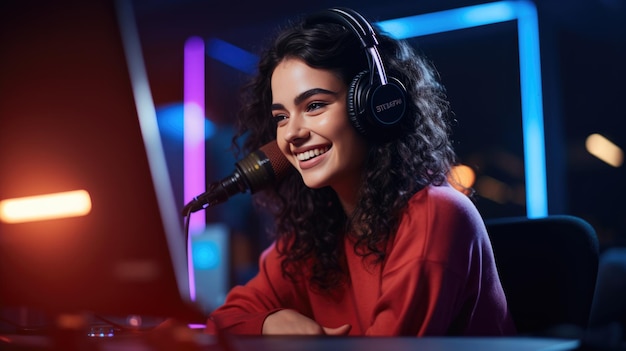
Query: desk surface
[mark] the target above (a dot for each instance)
(305, 343)
(403, 344)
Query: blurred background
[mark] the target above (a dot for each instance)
(580, 95)
(582, 51)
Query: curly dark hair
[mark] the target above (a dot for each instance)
(310, 224)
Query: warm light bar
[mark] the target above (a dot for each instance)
(43, 207)
(462, 178)
(493, 189)
(605, 150)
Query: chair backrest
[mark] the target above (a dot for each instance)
(548, 268)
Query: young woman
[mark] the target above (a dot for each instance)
(370, 238)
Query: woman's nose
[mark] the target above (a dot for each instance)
(296, 129)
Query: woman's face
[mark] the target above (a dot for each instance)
(313, 130)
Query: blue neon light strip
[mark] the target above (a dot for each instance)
(232, 55)
(530, 75)
(449, 20)
(532, 110)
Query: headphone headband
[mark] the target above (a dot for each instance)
(350, 19)
(376, 109)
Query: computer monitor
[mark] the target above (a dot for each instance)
(76, 116)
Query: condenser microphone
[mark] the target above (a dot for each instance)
(254, 172)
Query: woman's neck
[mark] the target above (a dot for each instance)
(348, 195)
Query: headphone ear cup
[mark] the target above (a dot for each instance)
(357, 93)
(376, 111)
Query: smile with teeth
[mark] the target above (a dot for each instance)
(307, 155)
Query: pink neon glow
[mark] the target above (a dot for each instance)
(193, 131)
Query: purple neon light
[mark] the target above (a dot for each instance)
(193, 132)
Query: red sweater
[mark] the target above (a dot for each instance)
(439, 278)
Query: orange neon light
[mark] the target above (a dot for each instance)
(48, 206)
(462, 178)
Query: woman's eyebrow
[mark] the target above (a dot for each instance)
(277, 107)
(303, 96)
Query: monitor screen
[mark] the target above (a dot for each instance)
(77, 123)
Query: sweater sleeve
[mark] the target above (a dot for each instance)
(247, 306)
(439, 272)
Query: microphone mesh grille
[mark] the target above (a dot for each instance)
(278, 161)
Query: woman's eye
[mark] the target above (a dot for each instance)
(315, 106)
(277, 119)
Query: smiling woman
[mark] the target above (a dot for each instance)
(370, 239)
(313, 129)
